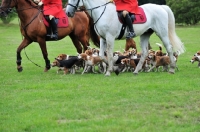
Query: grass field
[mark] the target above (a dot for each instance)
(34, 101)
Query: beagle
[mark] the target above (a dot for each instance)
(91, 61)
(157, 61)
(195, 58)
(66, 65)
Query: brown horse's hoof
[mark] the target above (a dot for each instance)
(20, 69)
(48, 67)
(46, 70)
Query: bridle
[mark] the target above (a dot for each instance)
(9, 10)
(5, 9)
(75, 6)
(91, 9)
(18, 10)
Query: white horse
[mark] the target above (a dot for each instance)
(160, 19)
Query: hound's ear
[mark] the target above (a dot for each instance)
(57, 59)
(154, 57)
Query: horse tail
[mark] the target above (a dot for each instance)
(92, 33)
(174, 39)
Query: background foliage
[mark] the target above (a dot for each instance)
(160, 2)
(186, 11)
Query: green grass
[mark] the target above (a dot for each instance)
(35, 101)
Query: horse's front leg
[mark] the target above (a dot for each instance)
(43, 47)
(23, 44)
(76, 43)
(144, 46)
(103, 51)
(110, 44)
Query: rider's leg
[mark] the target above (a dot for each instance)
(128, 21)
(54, 27)
(48, 28)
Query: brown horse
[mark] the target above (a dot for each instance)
(34, 30)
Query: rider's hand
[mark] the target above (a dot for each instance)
(40, 3)
(36, 1)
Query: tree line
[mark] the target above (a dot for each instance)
(185, 11)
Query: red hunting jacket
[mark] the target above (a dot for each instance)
(128, 5)
(54, 8)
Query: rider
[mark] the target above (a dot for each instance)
(52, 9)
(127, 8)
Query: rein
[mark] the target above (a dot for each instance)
(101, 13)
(99, 16)
(30, 59)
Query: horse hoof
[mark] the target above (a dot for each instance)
(20, 69)
(171, 71)
(135, 73)
(107, 74)
(46, 70)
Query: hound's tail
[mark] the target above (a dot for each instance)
(174, 39)
(160, 46)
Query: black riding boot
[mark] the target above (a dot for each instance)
(54, 28)
(131, 33)
(48, 28)
(48, 32)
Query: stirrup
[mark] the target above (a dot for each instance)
(54, 36)
(130, 35)
(48, 35)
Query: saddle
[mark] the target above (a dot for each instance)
(62, 22)
(136, 19)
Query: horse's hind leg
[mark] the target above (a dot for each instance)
(85, 43)
(169, 49)
(76, 43)
(144, 38)
(42, 44)
(23, 44)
